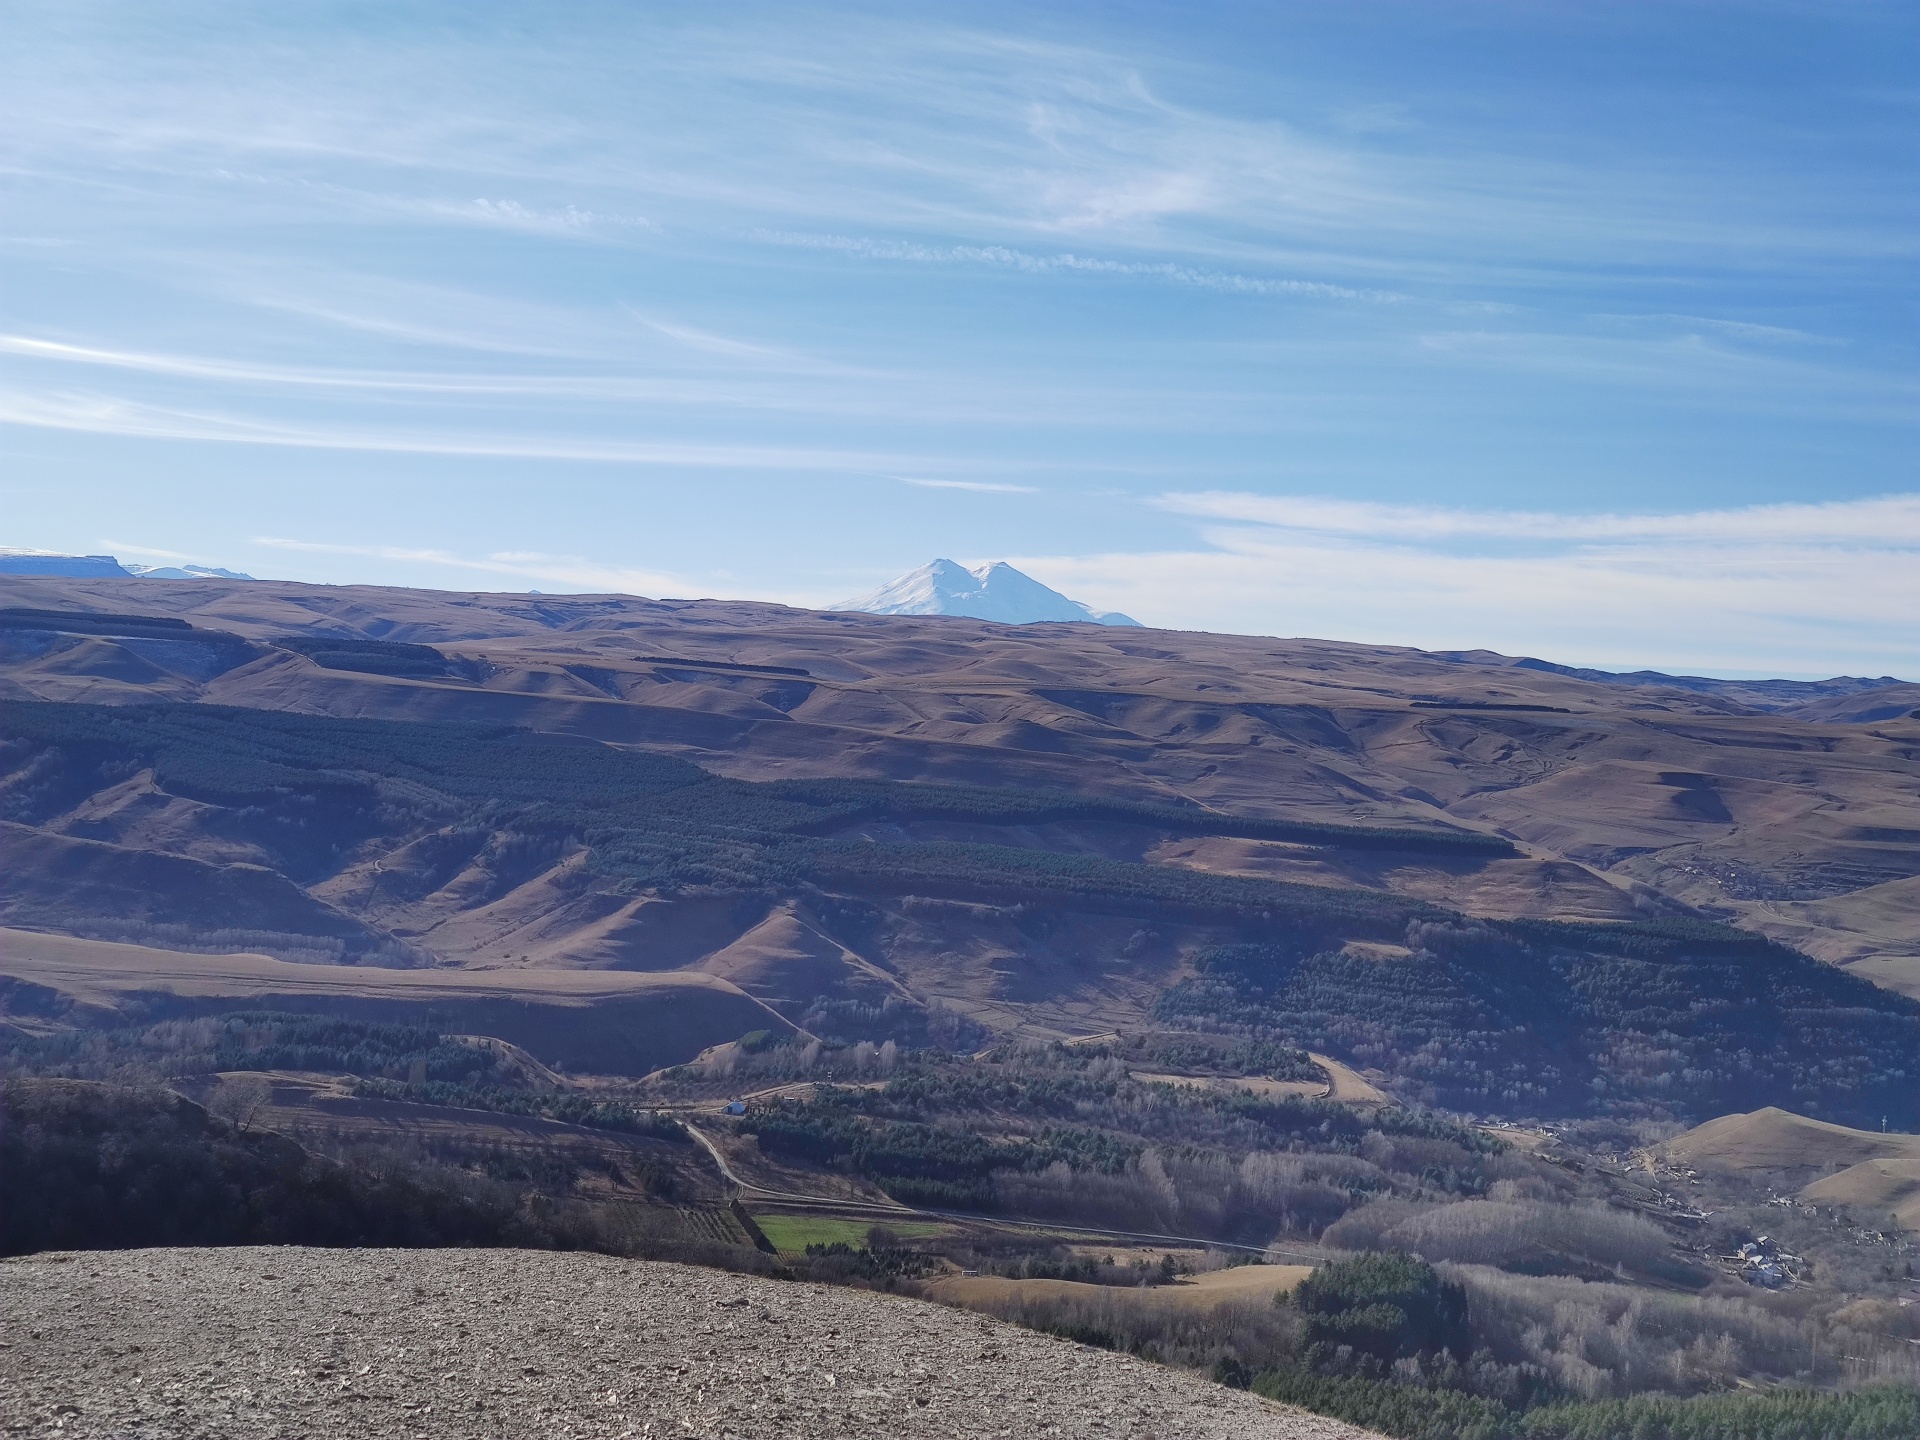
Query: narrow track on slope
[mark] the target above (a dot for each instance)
(894, 1209)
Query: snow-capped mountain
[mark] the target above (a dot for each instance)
(50, 562)
(994, 591)
(184, 572)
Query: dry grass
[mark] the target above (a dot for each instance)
(1873, 1188)
(1776, 1139)
(1231, 1084)
(616, 1022)
(1240, 1283)
(101, 970)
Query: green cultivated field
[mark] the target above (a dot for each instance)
(791, 1234)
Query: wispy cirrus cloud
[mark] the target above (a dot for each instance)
(566, 220)
(668, 369)
(193, 367)
(572, 571)
(110, 415)
(733, 350)
(1887, 521)
(132, 547)
(980, 487)
(1734, 329)
(1001, 257)
(312, 196)
(1517, 280)
(663, 384)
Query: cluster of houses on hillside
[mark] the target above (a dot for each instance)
(1761, 1262)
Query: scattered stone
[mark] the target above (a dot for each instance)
(509, 1343)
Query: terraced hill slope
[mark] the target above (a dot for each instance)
(1791, 809)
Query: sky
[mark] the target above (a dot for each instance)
(1577, 330)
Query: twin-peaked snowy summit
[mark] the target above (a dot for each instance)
(994, 591)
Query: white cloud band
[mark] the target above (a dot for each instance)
(1783, 589)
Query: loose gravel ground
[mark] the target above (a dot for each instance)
(288, 1342)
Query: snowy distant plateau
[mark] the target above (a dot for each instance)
(49, 562)
(995, 591)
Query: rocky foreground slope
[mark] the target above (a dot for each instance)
(286, 1341)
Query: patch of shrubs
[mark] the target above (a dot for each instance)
(1365, 1313)
(1418, 1412)
(1385, 1340)
(567, 1107)
(256, 1040)
(883, 1263)
(87, 1166)
(1536, 1019)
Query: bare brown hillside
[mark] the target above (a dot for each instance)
(1776, 1139)
(1794, 811)
(1874, 1174)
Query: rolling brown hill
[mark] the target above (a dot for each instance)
(1776, 1139)
(1790, 810)
(1874, 1174)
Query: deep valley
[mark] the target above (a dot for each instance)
(1056, 971)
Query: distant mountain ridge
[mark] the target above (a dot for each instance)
(184, 572)
(995, 591)
(1761, 694)
(48, 562)
(106, 567)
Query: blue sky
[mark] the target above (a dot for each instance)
(1581, 330)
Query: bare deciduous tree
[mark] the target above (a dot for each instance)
(240, 1099)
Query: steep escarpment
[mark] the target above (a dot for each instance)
(1790, 808)
(854, 910)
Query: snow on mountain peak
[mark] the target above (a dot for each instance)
(17, 561)
(184, 572)
(994, 591)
